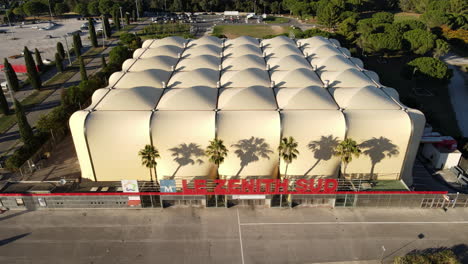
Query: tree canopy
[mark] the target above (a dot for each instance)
(427, 67)
(419, 41)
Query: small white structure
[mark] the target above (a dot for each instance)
(441, 157)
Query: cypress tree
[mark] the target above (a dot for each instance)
(76, 45)
(106, 28)
(116, 19)
(4, 109)
(103, 61)
(92, 33)
(58, 62)
(12, 79)
(60, 50)
(80, 44)
(127, 18)
(39, 63)
(33, 75)
(84, 76)
(25, 130)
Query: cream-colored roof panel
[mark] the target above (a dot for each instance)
(313, 42)
(245, 78)
(383, 137)
(114, 139)
(323, 51)
(244, 62)
(369, 97)
(283, 51)
(197, 77)
(205, 40)
(181, 138)
(137, 98)
(288, 63)
(196, 98)
(115, 77)
(252, 139)
(157, 62)
(147, 43)
(299, 78)
(277, 41)
(357, 62)
(392, 93)
(207, 49)
(166, 50)
(174, 41)
(201, 61)
(333, 63)
(335, 42)
(242, 40)
(250, 98)
(77, 124)
(345, 51)
(241, 50)
(149, 78)
(349, 78)
(97, 96)
(313, 97)
(374, 76)
(316, 143)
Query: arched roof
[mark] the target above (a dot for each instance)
(250, 98)
(299, 78)
(205, 40)
(97, 96)
(156, 62)
(197, 77)
(136, 98)
(369, 97)
(333, 63)
(174, 41)
(244, 62)
(241, 50)
(166, 50)
(206, 49)
(242, 40)
(283, 51)
(197, 62)
(288, 63)
(245, 78)
(312, 98)
(277, 41)
(196, 98)
(313, 42)
(152, 78)
(348, 78)
(323, 51)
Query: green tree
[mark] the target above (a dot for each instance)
(106, 27)
(4, 108)
(84, 76)
(31, 68)
(119, 54)
(458, 6)
(25, 130)
(92, 33)
(103, 61)
(81, 9)
(177, 6)
(11, 78)
(380, 42)
(58, 62)
(427, 67)
(328, 15)
(34, 8)
(216, 152)
(441, 48)
(39, 62)
(116, 19)
(148, 155)
(105, 6)
(93, 7)
(55, 120)
(288, 152)
(366, 25)
(76, 45)
(410, 24)
(434, 18)
(419, 41)
(60, 8)
(127, 19)
(346, 150)
(383, 17)
(347, 28)
(60, 50)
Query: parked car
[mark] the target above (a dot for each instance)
(5, 85)
(47, 62)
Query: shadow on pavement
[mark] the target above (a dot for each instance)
(11, 239)
(13, 215)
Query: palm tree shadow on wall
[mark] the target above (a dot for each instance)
(251, 150)
(377, 149)
(187, 154)
(323, 149)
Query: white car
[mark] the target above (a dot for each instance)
(47, 62)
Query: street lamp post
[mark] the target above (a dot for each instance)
(381, 256)
(68, 51)
(50, 11)
(121, 15)
(138, 13)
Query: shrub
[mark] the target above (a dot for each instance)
(445, 256)
(419, 41)
(410, 24)
(118, 55)
(434, 18)
(428, 67)
(383, 17)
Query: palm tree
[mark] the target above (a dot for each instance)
(288, 151)
(346, 149)
(216, 152)
(148, 155)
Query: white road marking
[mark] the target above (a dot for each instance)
(355, 223)
(240, 236)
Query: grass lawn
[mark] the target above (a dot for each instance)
(389, 186)
(276, 20)
(125, 29)
(406, 16)
(437, 108)
(256, 31)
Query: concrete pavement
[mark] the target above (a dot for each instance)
(236, 235)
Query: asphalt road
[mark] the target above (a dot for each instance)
(187, 235)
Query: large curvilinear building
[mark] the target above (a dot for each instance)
(179, 94)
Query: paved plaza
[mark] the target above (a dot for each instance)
(236, 235)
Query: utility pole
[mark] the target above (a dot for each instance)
(121, 15)
(68, 51)
(50, 11)
(138, 13)
(8, 17)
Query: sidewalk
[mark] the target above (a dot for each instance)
(10, 140)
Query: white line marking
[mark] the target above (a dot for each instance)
(356, 223)
(240, 236)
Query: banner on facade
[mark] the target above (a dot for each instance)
(129, 186)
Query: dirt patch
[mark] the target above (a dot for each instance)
(277, 30)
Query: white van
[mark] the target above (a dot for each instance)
(5, 86)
